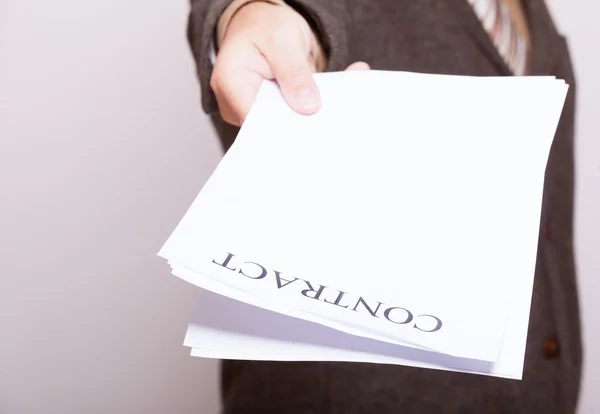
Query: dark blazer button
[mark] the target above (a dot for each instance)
(551, 348)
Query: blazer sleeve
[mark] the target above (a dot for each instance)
(328, 18)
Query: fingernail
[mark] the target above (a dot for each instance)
(306, 98)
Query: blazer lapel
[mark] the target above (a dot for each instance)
(541, 28)
(479, 35)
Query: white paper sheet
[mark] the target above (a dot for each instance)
(407, 197)
(246, 332)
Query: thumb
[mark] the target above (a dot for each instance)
(291, 68)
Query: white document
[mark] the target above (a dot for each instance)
(405, 212)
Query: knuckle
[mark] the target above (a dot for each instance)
(229, 117)
(216, 81)
(230, 114)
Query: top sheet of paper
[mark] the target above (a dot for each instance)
(408, 208)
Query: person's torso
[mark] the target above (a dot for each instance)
(447, 36)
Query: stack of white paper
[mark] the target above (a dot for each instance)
(398, 225)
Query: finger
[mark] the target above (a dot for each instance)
(236, 85)
(287, 54)
(359, 66)
(236, 96)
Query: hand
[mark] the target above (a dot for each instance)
(266, 41)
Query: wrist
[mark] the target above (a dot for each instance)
(229, 13)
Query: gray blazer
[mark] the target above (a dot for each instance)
(434, 36)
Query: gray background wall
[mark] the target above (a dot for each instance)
(102, 148)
